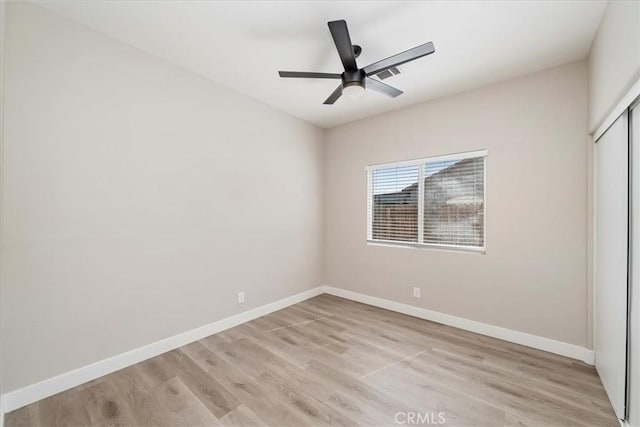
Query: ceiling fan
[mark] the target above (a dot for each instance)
(354, 79)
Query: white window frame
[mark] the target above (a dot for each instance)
(420, 162)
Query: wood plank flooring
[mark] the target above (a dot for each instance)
(330, 361)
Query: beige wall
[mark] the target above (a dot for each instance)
(614, 60)
(139, 199)
(533, 276)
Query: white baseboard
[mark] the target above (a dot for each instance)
(523, 338)
(589, 357)
(24, 396)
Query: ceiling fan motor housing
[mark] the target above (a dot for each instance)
(350, 78)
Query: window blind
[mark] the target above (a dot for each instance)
(434, 201)
(395, 203)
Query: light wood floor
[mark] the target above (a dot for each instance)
(329, 361)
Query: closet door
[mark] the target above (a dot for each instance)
(611, 260)
(633, 361)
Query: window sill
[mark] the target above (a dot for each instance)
(446, 248)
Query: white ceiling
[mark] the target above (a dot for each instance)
(242, 45)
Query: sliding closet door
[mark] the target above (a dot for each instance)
(611, 260)
(633, 390)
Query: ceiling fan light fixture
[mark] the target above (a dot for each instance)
(355, 79)
(352, 90)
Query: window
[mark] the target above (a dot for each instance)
(437, 201)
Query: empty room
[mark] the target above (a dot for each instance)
(319, 213)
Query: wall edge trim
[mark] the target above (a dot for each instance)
(529, 340)
(32, 393)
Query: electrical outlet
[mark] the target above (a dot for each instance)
(416, 292)
(240, 297)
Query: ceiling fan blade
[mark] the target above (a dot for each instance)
(334, 96)
(341, 38)
(306, 75)
(400, 58)
(383, 88)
